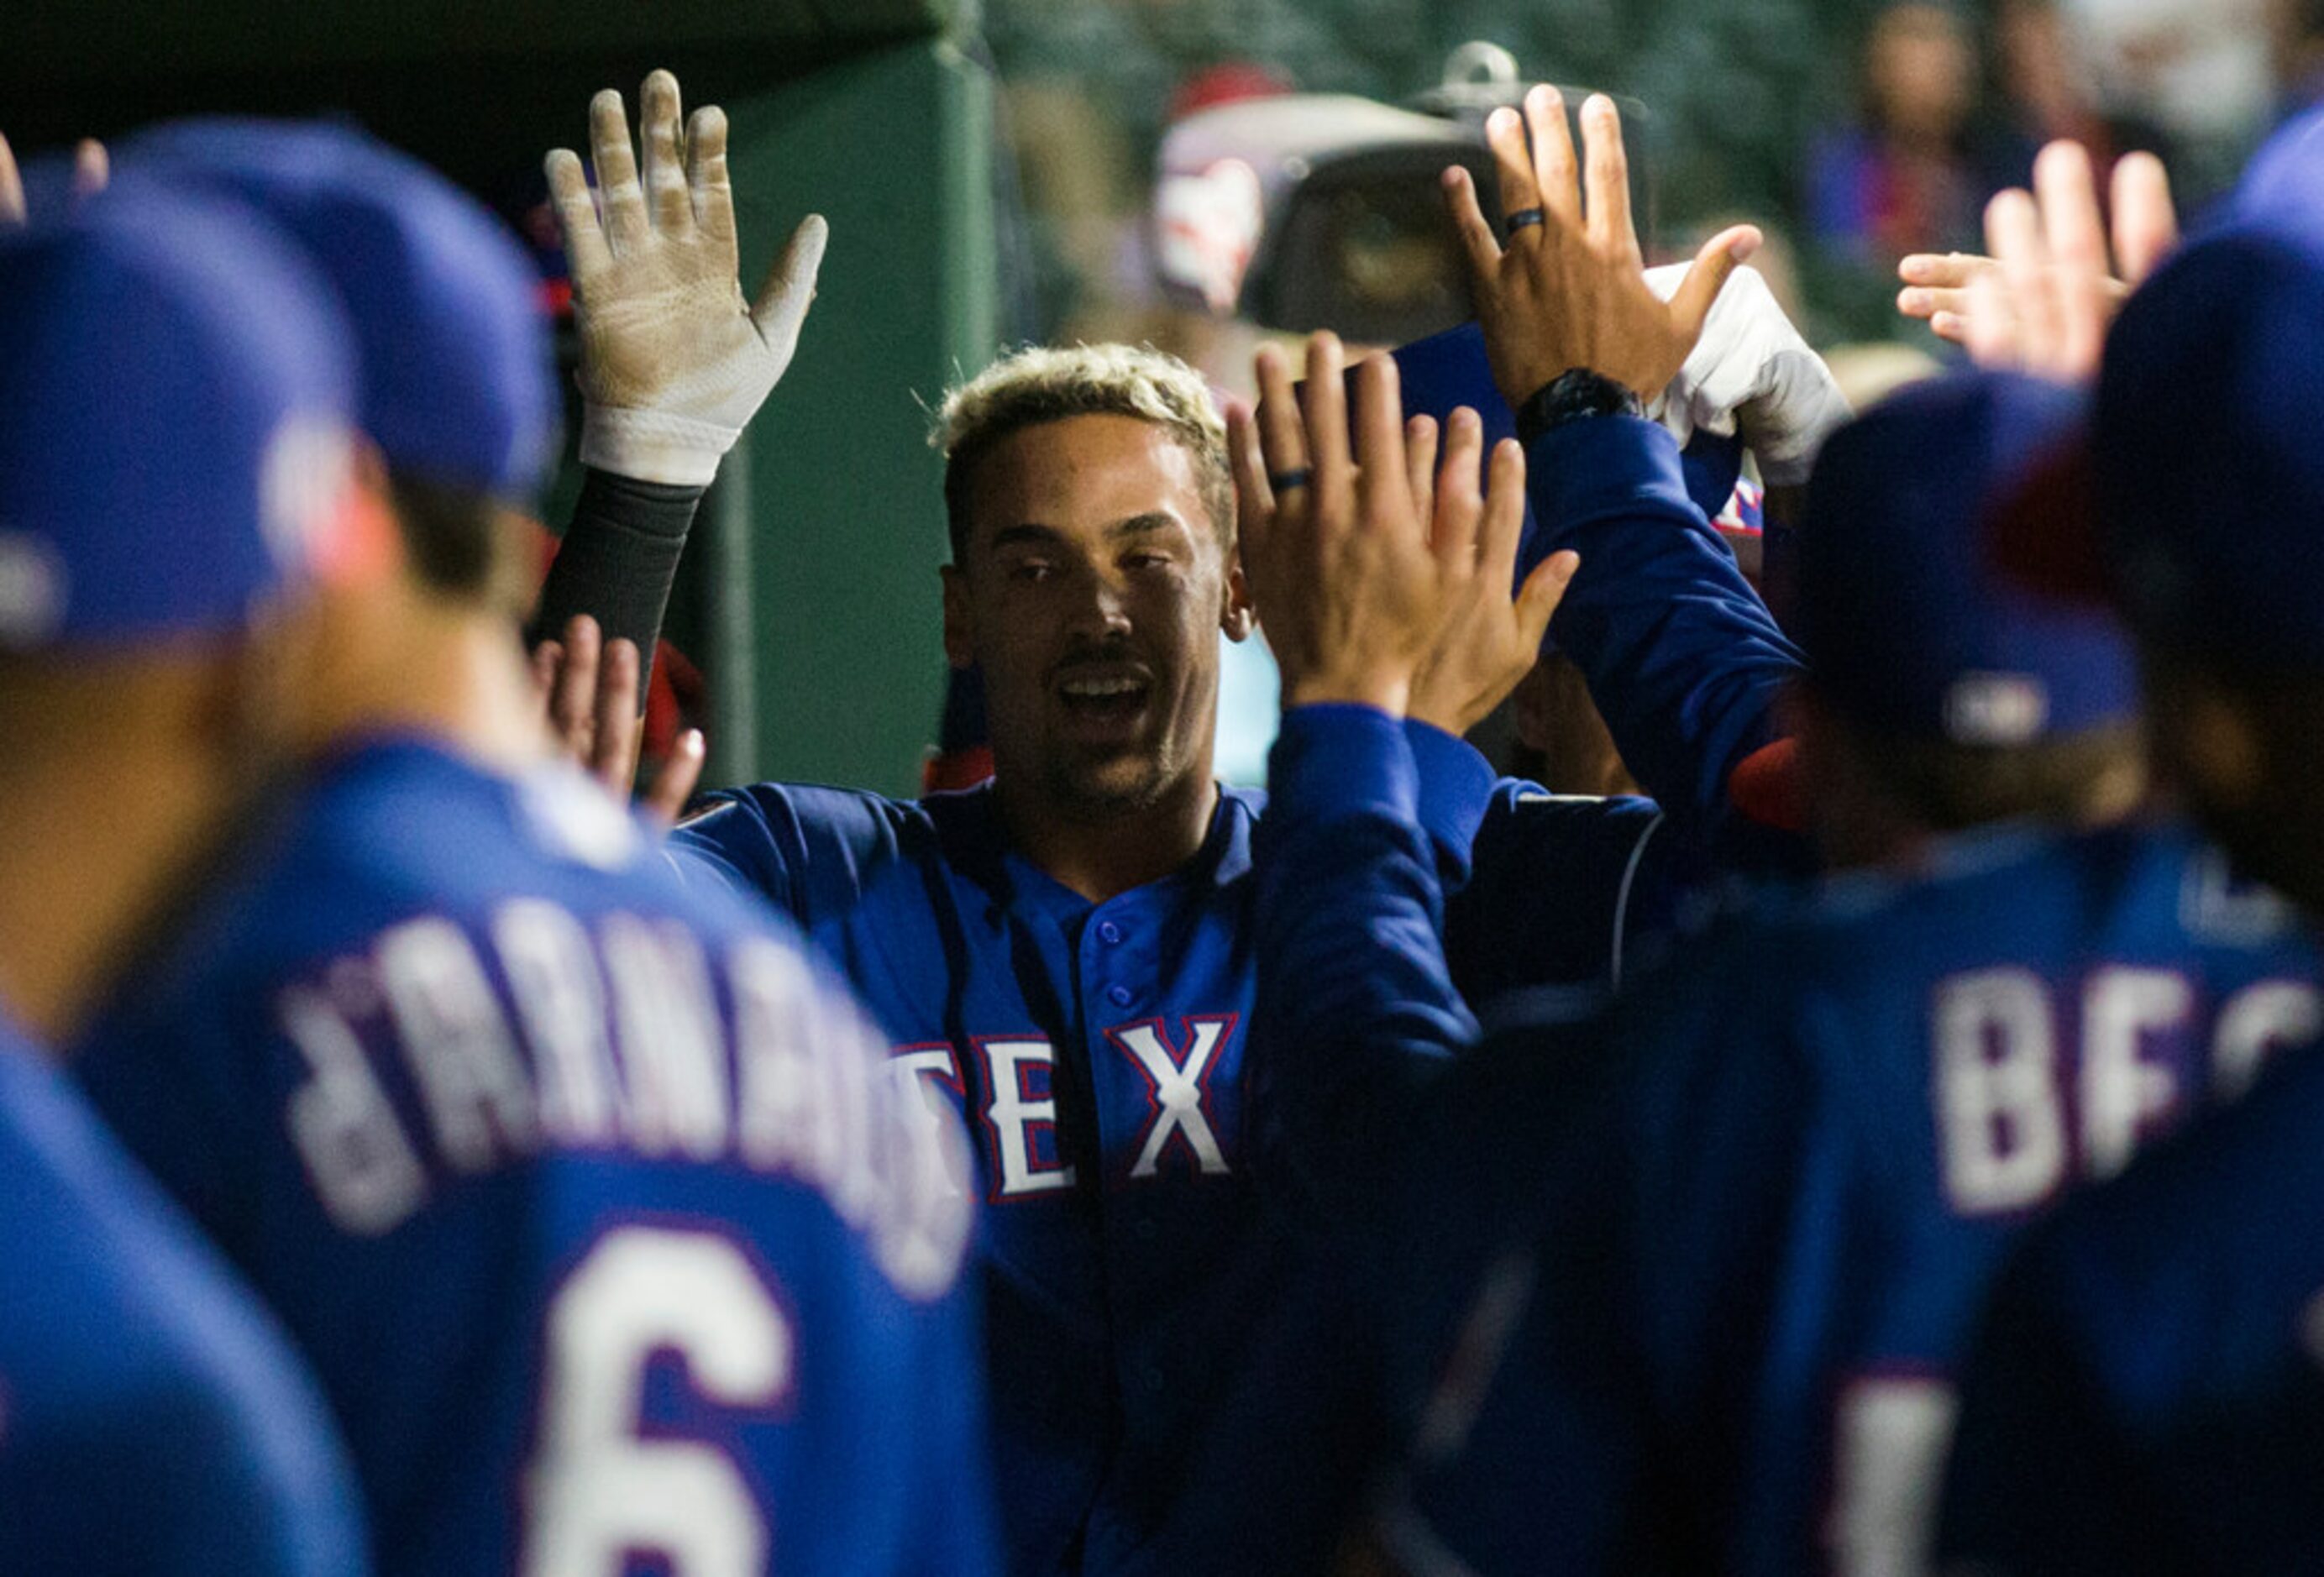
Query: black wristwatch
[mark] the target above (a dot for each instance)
(1572, 394)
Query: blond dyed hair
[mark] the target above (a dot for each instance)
(1046, 383)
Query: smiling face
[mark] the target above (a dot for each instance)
(1092, 587)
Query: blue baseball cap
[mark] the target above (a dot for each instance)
(454, 351)
(1911, 628)
(2282, 187)
(2208, 478)
(175, 391)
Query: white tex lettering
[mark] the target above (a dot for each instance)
(1178, 1089)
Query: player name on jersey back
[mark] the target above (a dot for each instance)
(642, 1040)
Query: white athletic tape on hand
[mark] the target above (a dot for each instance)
(654, 446)
(1751, 372)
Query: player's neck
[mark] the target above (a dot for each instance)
(1102, 855)
(106, 841)
(411, 663)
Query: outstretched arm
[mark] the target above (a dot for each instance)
(675, 362)
(1680, 654)
(1358, 562)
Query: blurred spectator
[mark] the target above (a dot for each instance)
(1907, 175)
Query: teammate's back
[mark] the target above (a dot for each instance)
(1721, 1279)
(1823, 1129)
(589, 1201)
(2144, 1393)
(586, 1195)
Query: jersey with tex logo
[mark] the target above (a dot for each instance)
(153, 1420)
(587, 1195)
(2146, 1393)
(1720, 1276)
(1099, 1051)
(1096, 1054)
(1100, 1055)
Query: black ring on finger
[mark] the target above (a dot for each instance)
(1521, 218)
(1284, 480)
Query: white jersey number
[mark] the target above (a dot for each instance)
(1892, 1436)
(597, 1491)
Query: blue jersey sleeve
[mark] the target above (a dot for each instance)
(1456, 789)
(1681, 655)
(808, 851)
(1353, 994)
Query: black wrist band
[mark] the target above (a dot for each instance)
(619, 557)
(1575, 394)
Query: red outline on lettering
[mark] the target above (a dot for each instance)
(996, 1192)
(1188, 1025)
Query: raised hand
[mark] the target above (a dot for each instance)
(1568, 289)
(674, 362)
(2056, 284)
(1487, 640)
(1380, 579)
(588, 690)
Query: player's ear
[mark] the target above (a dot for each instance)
(367, 547)
(2215, 742)
(1236, 615)
(959, 621)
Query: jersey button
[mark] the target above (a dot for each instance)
(1118, 995)
(1108, 932)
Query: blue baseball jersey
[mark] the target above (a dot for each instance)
(1100, 1055)
(153, 1420)
(613, 1240)
(2146, 1392)
(1100, 1052)
(1720, 1271)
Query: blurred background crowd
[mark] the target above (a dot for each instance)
(1198, 175)
(1855, 131)
(1152, 140)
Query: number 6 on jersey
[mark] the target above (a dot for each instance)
(597, 1491)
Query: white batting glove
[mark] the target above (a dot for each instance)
(674, 362)
(1752, 373)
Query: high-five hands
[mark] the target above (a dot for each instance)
(1382, 579)
(2042, 300)
(588, 692)
(1568, 289)
(674, 362)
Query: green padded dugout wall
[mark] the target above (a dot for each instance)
(895, 149)
(817, 613)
